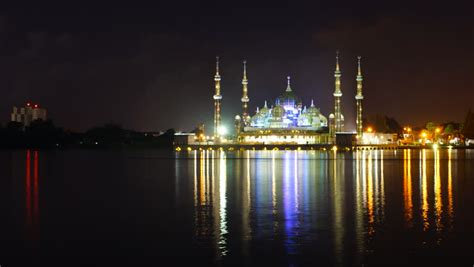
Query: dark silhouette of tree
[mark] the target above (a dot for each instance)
(449, 129)
(468, 126)
(383, 124)
(43, 134)
(107, 135)
(431, 126)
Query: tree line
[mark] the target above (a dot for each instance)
(44, 135)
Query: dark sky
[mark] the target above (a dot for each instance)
(152, 68)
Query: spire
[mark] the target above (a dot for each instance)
(312, 103)
(217, 66)
(337, 75)
(217, 79)
(359, 77)
(288, 87)
(359, 72)
(265, 104)
(245, 98)
(245, 81)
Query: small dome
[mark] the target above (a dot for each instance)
(264, 110)
(237, 117)
(278, 111)
(313, 110)
(331, 116)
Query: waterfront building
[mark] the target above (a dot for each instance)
(374, 138)
(184, 138)
(286, 119)
(30, 112)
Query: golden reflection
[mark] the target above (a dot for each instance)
(370, 196)
(223, 204)
(370, 189)
(437, 192)
(195, 178)
(207, 180)
(246, 200)
(318, 196)
(202, 178)
(273, 183)
(407, 188)
(382, 188)
(364, 178)
(338, 191)
(424, 192)
(450, 189)
(213, 172)
(359, 223)
(248, 177)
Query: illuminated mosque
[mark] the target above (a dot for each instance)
(287, 120)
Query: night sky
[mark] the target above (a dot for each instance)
(152, 68)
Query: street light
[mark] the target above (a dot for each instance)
(222, 130)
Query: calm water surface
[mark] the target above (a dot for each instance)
(279, 208)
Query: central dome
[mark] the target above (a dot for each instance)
(288, 98)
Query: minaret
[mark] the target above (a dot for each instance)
(245, 98)
(359, 97)
(217, 102)
(338, 124)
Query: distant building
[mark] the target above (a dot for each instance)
(372, 138)
(181, 138)
(31, 112)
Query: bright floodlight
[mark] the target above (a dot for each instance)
(222, 130)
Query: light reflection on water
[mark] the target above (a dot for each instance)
(32, 195)
(256, 208)
(299, 198)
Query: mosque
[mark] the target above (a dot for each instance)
(287, 119)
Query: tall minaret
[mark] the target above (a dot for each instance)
(359, 97)
(245, 98)
(338, 117)
(217, 102)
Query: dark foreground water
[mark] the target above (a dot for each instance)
(268, 208)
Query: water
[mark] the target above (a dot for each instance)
(280, 208)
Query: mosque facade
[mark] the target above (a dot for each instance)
(287, 119)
